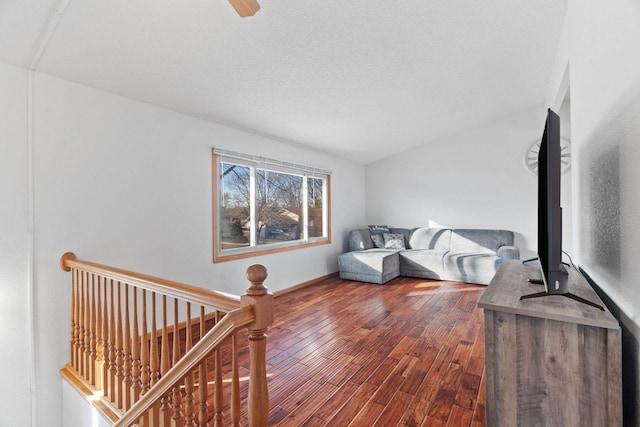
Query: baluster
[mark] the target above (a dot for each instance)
(106, 345)
(135, 370)
(203, 414)
(80, 322)
(99, 338)
(217, 394)
(78, 317)
(79, 330)
(87, 326)
(155, 371)
(119, 350)
(235, 382)
(126, 350)
(164, 348)
(144, 350)
(80, 336)
(87, 329)
(177, 416)
(113, 349)
(164, 362)
(93, 335)
(188, 381)
(175, 353)
(85, 338)
(72, 316)
(145, 375)
(155, 374)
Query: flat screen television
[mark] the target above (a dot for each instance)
(554, 274)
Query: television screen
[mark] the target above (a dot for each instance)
(554, 273)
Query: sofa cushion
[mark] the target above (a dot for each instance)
(423, 263)
(471, 267)
(406, 232)
(438, 239)
(508, 253)
(373, 265)
(378, 240)
(379, 229)
(393, 241)
(480, 241)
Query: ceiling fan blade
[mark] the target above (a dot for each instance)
(245, 7)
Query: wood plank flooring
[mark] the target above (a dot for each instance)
(408, 353)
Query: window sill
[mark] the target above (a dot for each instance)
(233, 254)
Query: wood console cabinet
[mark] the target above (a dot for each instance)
(550, 361)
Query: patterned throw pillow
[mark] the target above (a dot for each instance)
(393, 241)
(378, 240)
(379, 229)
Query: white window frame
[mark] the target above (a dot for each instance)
(221, 156)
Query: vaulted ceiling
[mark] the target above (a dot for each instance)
(360, 79)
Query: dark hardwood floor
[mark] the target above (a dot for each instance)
(408, 353)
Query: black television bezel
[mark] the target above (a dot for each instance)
(554, 274)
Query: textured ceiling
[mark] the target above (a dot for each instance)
(360, 79)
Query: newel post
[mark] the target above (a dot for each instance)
(261, 300)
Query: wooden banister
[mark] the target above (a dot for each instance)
(140, 357)
(221, 300)
(204, 347)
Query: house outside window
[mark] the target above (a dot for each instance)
(264, 205)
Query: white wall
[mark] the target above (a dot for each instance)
(473, 179)
(14, 260)
(600, 45)
(77, 412)
(127, 184)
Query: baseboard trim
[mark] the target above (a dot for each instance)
(305, 284)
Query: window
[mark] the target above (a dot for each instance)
(263, 205)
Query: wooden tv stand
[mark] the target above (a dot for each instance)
(549, 361)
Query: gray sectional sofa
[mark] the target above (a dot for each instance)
(461, 255)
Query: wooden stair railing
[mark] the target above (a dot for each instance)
(143, 364)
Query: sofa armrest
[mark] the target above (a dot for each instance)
(360, 240)
(509, 252)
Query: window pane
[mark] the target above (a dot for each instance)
(235, 212)
(278, 207)
(263, 206)
(315, 208)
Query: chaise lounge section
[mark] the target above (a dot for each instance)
(461, 255)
